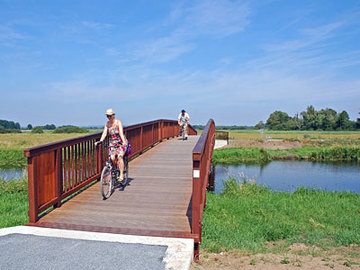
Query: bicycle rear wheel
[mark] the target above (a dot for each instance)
(106, 183)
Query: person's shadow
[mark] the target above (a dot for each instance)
(121, 186)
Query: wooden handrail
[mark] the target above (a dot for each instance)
(58, 170)
(30, 152)
(202, 155)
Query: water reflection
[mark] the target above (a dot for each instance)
(288, 175)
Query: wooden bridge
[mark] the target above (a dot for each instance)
(165, 197)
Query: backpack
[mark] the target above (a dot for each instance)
(128, 149)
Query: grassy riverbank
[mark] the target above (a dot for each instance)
(250, 218)
(260, 155)
(14, 203)
(249, 146)
(294, 135)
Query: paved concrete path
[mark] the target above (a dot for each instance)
(40, 248)
(220, 143)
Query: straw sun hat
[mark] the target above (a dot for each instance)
(110, 112)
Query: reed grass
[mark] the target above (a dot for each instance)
(12, 158)
(249, 217)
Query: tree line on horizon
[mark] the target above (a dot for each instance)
(325, 119)
(12, 127)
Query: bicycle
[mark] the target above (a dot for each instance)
(183, 131)
(109, 176)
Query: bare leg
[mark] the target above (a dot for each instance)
(113, 159)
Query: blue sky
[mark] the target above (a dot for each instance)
(66, 62)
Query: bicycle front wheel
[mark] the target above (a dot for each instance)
(106, 183)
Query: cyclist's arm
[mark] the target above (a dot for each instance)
(121, 131)
(103, 135)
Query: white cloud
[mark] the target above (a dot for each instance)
(162, 49)
(309, 37)
(216, 18)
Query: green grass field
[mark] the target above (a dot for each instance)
(14, 203)
(249, 217)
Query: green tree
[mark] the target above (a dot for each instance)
(343, 121)
(278, 120)
(37, 130)
(297, 121)
(327, 119)
(357, 124)
(311, 118)
(260, 125)
(9, 124)
(29, 126)
(49, 127)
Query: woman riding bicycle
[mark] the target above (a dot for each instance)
(117, 141)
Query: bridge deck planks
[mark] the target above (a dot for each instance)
(157, 201)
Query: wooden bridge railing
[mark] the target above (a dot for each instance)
(58, 170)
(202, 155)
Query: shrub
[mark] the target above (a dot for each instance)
(6, 130)
(37, 130)
(70, 129)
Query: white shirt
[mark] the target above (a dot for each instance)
(183, 118)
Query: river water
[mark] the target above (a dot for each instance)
(289, 175)
(7, 174)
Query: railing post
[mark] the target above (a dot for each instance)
(152, 133)
(99, 158)
(32, 187)
(58, 176)
(161, 130)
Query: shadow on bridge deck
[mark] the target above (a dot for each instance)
(157, 202)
